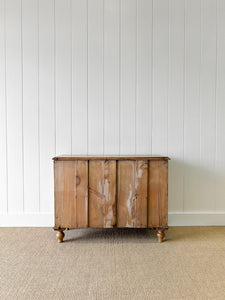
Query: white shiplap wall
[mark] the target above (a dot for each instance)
(112, 77)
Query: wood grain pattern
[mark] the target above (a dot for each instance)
(102, 193)
(141, 187)
(81, 194)
(71, 182)
(126, 194)
(132, 194)
(158, 194)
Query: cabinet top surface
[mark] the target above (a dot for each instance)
(108, 157)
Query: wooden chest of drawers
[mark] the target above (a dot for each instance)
(106, 192)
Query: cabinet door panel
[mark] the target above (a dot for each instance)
(158, 194)
(71, 191)
(132, 193)
(102, 193)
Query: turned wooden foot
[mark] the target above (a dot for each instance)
(60, 235)
(160, 235)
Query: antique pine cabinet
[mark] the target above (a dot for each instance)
(106, 192)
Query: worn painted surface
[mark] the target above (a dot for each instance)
(141, 187)
(71, 182)
(102, 193)
(132, 194)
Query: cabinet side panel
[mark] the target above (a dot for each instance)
(126, 202)
(141, 187)
(81, 182)
(163, 193)
(158, 194)
(65, 194)
(102, 193)
(58, 191)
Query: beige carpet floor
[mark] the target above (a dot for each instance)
(112, 264)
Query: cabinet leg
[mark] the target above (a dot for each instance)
(60, 235)
(160, 235)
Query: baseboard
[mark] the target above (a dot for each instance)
(27, 220)
(175, 219)
(196, 219)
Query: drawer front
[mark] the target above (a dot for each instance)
(132, 193)
(158, 194)
(71, 194)
(102, 193)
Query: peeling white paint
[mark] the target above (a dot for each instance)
(129, 200)
(100, 189)
(139, 173)
(106, 190)
(109, 217)
(109, 210)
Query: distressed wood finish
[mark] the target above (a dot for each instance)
(106, 192)
(141, 186)
(158, 194)
(102, 193)
(132, 194)
(71, 188)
